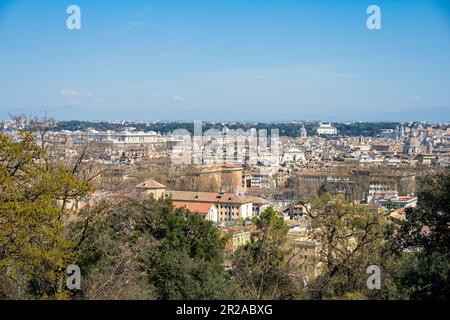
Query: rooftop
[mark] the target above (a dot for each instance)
(198, 207)
(150, 184)
(210, 197)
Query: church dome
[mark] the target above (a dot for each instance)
(413, 140)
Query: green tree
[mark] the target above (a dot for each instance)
(150, 250)
(114, 241)
(391, 205)
(189, 261)
(351, 238)
(423, 268)
(261, 267)
(34, 253)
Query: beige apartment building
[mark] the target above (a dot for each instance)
(357, 183)
(229, 206)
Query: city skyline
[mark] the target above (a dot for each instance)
(261, 155)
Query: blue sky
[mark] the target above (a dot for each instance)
(234, 60)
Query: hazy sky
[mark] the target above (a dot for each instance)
(224, 59)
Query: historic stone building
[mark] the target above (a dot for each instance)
(412, 145)
(358, 184)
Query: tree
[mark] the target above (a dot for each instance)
(188, 263)
(150, 250)
(391, 205)
(178, 276)
(113, 248)
(423, 270)
(34, 252)
(351, 238)
(261, 267)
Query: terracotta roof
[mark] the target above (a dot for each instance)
(258, 200)
(399, 214)
(194, 206)
(210, 197)
(150, 184)
(405, 198)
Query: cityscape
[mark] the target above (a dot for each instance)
(291, 166)
(378, 169)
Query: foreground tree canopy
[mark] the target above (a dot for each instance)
(150, 249)
(352, 238)
(34, 253)
(261, 267)
(422, 270)
(129, 249)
